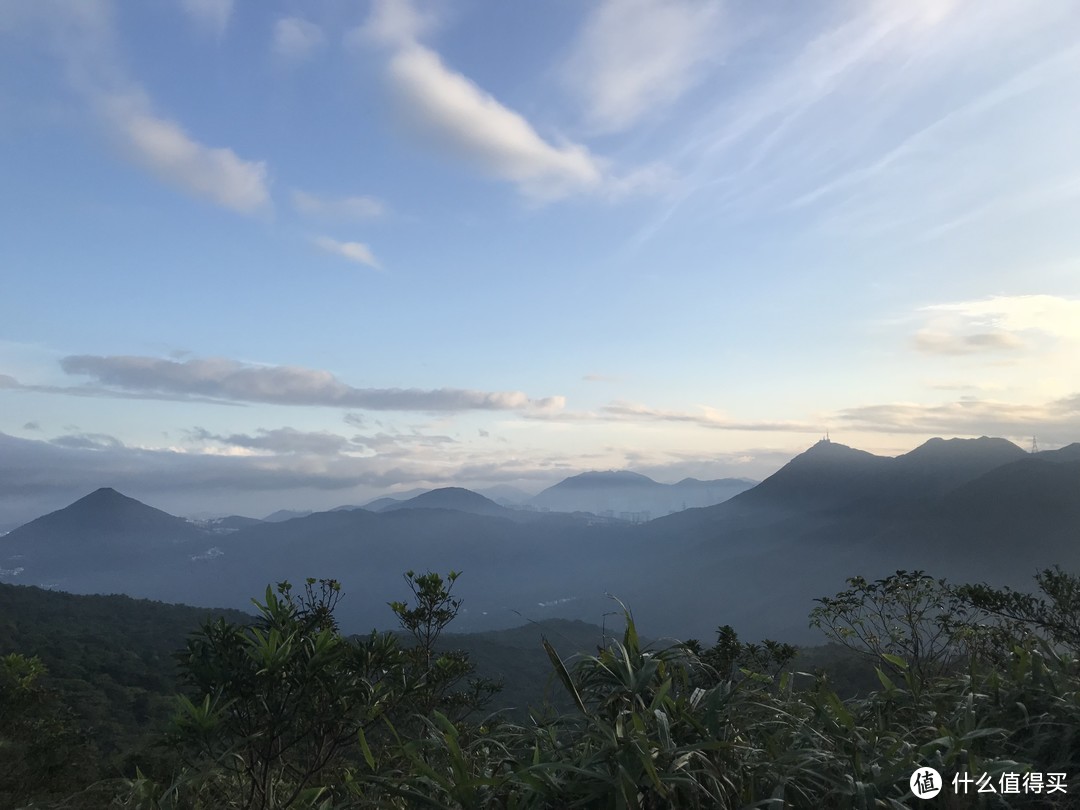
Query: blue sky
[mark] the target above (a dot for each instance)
(297, 254)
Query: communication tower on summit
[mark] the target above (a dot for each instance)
(1034, 446)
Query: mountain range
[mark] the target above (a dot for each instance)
(971, 510)
(614, 494)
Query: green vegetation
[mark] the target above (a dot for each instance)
(283, 711)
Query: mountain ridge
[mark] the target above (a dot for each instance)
(756, 561)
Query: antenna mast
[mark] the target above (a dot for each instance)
(1034, 446)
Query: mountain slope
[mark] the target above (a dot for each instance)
(827, 476)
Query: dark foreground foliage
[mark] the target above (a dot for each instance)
(286, 712)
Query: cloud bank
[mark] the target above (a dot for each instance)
(230, 380)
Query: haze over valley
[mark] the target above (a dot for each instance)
(755, 559)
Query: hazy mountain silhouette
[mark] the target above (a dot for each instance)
(1070, 452)
(286, 514)
(379, 504)
(978, 509)
(106, 512)
(941, 465)
(372, 505)
(827, 476)
(455, 498)
(506, 495)
(833, 512)
(102, 530)
(621, 491)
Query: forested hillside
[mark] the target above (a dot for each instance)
(281, 710)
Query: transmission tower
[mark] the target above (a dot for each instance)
(1034, 446)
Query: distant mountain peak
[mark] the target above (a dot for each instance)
(456, 498)
(108, 498)
(974, 456)
(606, 478)
(828, 449)
(104, 518)
(938, 445)
(105, 492)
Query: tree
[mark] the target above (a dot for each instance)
(436, 676)
(279, 704)
(1055, 617)
(907, 621)
(285, 708)
(41, 750)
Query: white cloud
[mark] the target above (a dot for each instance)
(82, 36)
(394, 22)
(999, 323)
(211, 14)
(1049, 314)
(296, 39)
(350, 208)
(213, 173)
(353, 251)
(634, 57)
(452, 114)
(458, 117)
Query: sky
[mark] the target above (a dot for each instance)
(301, 254)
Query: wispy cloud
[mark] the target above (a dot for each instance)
(213, 15)
(353, 251)
(83, 37)
(908, 159)
(296, 39)
(704, 417)
(282, 385)
(633, 58)
(341, 208)
(455, 116)
(162, 146)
